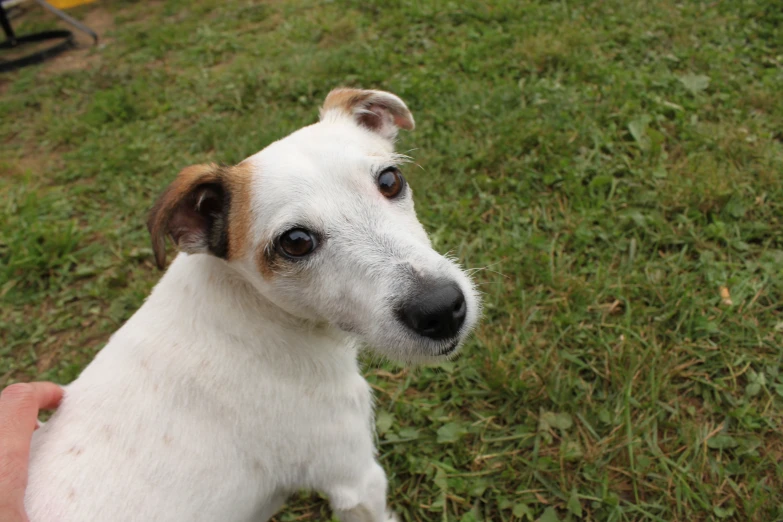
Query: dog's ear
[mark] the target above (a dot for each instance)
(379, 111)
(193, 211)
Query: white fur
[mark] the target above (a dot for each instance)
(227, 391)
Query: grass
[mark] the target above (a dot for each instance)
(617, 167)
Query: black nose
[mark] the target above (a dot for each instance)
(437, 311)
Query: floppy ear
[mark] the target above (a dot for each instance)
(193, 210)
(379, 111)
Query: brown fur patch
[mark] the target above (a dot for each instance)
(345, 99)
(266, 260)
(237, 181)
(377, 103)
(234, 180)
(164, 207)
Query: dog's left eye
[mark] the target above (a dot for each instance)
(391, 182)
(297, 242)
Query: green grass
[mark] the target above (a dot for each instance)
(614, 164)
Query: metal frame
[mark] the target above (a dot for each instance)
(12, 41)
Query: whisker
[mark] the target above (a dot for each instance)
(401, 158)
(499, 273)
(472, 271)
(491, 264)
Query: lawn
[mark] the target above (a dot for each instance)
(614, 168)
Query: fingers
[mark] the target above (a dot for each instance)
(46, 395)
(20, 403)
(19, 406)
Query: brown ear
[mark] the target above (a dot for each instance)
(379, 111)
(193, 210)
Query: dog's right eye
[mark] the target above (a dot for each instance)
(297, 242)
(391, 182)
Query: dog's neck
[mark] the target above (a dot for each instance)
(215, 304)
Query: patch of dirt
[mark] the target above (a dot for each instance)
(85, 55)
(71, 341)
(82, 56)
(29, 158)
(150, 11)
(32, 162)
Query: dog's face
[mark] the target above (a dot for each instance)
(322, 224)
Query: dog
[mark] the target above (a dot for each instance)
(236, 383)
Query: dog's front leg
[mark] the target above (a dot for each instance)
(365, 502)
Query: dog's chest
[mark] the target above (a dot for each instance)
(287, 423)
(268, 436)
(298, 420)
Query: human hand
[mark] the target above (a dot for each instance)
(19, 407)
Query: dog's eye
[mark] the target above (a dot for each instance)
(297, 242)
(391, 182)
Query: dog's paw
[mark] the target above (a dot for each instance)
(391, 517)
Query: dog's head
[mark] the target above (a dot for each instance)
(322, 224)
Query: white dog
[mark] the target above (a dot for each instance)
(237, 383)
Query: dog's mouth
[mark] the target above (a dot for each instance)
(451, 348)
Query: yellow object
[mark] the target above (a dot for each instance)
(65, 4)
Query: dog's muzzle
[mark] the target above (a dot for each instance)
(437, 310)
